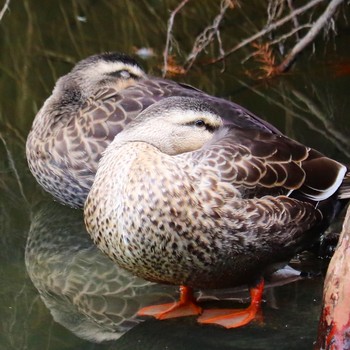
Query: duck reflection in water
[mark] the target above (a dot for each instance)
(84, 291)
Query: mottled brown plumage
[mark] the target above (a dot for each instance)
(216, 216)
(88, 107)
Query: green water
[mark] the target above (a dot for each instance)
(56, 290)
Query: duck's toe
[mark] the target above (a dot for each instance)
(171, 310)
(186, 306)
(234, 318)
(230, 318)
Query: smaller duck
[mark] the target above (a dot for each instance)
(181, 199)
(77, 122)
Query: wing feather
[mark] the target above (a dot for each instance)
(260, 163)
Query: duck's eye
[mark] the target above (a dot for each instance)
(125, 74)
(200, 123)
(121, 74)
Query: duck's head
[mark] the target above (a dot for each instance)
(174, 125)
(89, 75)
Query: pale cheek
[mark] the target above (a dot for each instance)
(189, 141)
(194, 143)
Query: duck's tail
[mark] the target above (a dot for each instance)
(344, 189)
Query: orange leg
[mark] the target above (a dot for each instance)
(186, 306)
(233, 318)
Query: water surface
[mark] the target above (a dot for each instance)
(56, 290)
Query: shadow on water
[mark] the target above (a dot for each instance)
(57, 291)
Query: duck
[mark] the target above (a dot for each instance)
(181, 198)
(88, 107)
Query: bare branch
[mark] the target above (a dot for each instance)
(279, 39)
(169, 36)
(279, 13)
(311, 35)
(270, 28)
(4, 9)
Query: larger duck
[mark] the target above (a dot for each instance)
(88, 107)
(181, 199)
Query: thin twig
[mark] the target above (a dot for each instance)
(15, 132)
(4, 9)
(295, 19)
(292, 32)
(13, 166)
(274, 10)
(207, 35)
(327, 132)
(324, 119)
(269, 28)
(311, 35)
(169, 35)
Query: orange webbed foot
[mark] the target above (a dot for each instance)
(234, 318)
(186, 306)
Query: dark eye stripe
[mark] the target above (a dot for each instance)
(208, 127)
